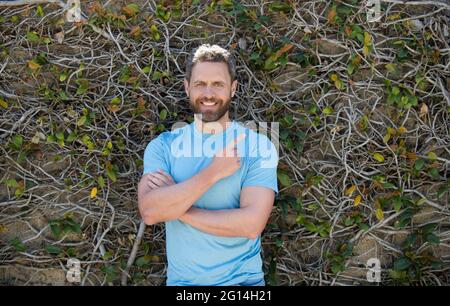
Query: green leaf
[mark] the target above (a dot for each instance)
(101, 182)
(378, 157)
(81, 121)
(59, 136)
(339, 84)
(132, 9)
(56, 228)
(328, 110)
(83, 86)
(33, 37)
(142, 261)
(434, 173)
(409, 242)
(51, 138)
(397, 205)
(364, 226)
(111, 174)
(429, 228)
(402, 264)
(110, 271)
(163, 114)
(146, 69)
(16, 142)
(395, 90)
(12, 183)
(350, 68)
(390, 67)
(349, 221)
(432, 238)
(418, 165)
(47, 40)
(336, 268)
(71, 137)
(284, 179)
(388, 186)
(63, 77)
(442, 191)
(53, 249)
(18, 245)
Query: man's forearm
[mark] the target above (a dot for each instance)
(170, 202)
(226, 223)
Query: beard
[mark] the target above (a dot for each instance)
(210, 114)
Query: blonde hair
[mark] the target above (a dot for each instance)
(208, 53)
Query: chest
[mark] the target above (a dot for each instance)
(224, 194)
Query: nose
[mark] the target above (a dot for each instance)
(208, 92)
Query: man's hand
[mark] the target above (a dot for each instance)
(226, 162)
(158, 179)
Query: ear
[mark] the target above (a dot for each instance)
(233, 87)
(186, 87)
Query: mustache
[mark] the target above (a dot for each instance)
(199, 100)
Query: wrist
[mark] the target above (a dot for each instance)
(185, 217)
(212, 174)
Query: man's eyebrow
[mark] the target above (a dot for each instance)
(199, 81)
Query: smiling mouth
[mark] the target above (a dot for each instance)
(209, 103)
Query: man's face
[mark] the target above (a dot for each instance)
(210, 90)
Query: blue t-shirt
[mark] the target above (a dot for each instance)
(199, 258)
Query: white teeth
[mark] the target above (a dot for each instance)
(209, 104)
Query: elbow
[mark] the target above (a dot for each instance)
(253, 233)
(148, 217)
(252, 236)
(152, 217)
(147, 212)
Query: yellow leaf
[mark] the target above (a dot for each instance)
(366, 50)
(367, 39)
(391, 131)
(350, 190)
(3, 104)
(402, 130)
(93, 192)
(357, 200)
(334, 77)
(423, 110)
(113, 108)
(432, 155)
(3, 229)
(386, 137)
(379, 214)
(33, 65)
(378, 157)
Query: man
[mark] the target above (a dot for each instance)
(212, 182)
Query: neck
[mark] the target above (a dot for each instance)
(212, 127)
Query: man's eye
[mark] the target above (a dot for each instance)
(219, 85)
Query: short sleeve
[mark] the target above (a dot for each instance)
(155, 156)
(262, 169)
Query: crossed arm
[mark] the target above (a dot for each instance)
(246, 221)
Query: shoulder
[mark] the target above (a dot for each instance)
(166, 138)
(257, 140)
